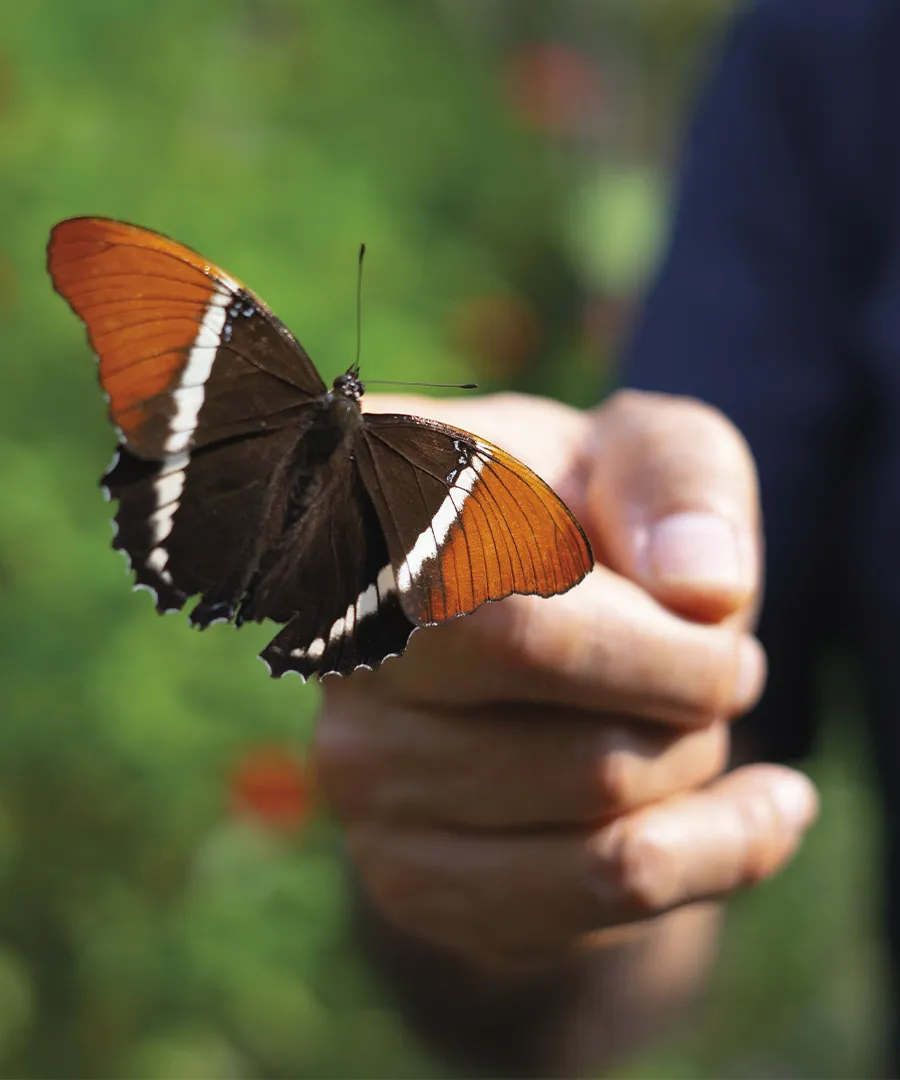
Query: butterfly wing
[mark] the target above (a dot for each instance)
(210, 393)
(201, 523)
(465, 521)
(331, 581)
(188, 356)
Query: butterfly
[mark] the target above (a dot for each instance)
(244, 481)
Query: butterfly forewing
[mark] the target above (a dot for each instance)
(176, 336)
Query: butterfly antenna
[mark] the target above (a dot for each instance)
(388, 382)
(362, 255)
(443, 385)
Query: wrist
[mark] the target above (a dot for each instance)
(485, 1018)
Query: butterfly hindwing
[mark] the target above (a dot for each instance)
(199, 524)
(331, 581)
(465, 521)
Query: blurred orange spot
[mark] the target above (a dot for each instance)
(497, 332)
(553, 88)
(272, 785)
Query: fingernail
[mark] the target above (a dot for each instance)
(751, 673)
(693, 548)
(795, 800)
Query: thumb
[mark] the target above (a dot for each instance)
(673, 503)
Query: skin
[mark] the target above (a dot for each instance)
(534, 798)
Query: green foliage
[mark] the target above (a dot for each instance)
(146, 927)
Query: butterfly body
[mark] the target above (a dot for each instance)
(242, 479)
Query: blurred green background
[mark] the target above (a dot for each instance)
(169, 906)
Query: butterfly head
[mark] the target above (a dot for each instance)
(349, 386)
(346, 393)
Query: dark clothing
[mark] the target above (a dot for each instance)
(779, 302)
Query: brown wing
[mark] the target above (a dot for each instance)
(465, 521)
(175, 334)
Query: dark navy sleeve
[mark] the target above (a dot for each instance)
(754, 303)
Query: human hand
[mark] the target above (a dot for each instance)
(535, 774)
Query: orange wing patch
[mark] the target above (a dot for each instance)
(512, 534)
(143, 298)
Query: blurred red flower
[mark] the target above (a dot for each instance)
(553, 88)
(272, 784)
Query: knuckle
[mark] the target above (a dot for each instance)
(507, 633)
(512, 400)
(715, 749)
(523, 637)
(662, 420)
(645, 867)
(423, 901)
(719, 435)
(710, 422)
(708, 682)
(614, 772)
(717, 689)
(707, 423)
(385, 881)
(759, 825)
(390, 892)
(714, 439)
(624, 403)
(639, 408)
(343, 763)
